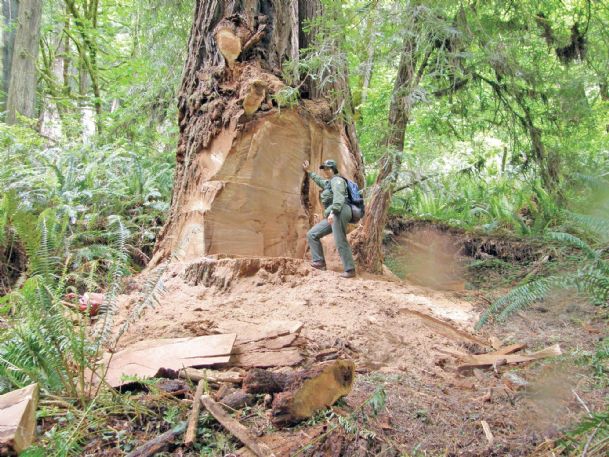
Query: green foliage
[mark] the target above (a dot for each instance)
(590, 279)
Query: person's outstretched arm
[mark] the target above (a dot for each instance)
(321, 182)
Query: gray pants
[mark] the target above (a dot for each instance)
(340, 238)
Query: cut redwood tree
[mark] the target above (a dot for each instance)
(239, 188)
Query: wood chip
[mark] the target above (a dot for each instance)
(18, 419)
(487, 432)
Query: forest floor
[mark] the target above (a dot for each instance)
(401, 335)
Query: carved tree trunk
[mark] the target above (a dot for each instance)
(239, 188)
(22, 86)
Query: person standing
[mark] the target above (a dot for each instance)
(337, 215)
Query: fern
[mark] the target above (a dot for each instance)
(591, 279)
(109, 307)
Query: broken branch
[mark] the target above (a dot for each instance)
(236, 428)
(155, 445)
(191, 431)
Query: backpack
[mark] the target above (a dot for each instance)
(356, 200)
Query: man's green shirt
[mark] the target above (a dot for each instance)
(334, 193)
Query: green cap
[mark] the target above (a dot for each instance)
(328, 164)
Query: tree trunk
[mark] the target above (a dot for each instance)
(239, 188)
(10, 9)
(367, 240)
(22, 86)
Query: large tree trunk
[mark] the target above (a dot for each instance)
(239, 188)
(22, 86)
(10, 9)
(367, 240)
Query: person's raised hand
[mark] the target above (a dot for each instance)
(305, 165)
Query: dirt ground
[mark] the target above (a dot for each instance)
(401, 336)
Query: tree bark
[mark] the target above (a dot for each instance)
(10, 10)
(238, 185)
(22, 86)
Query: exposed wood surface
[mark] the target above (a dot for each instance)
(487, 360)
(505, 350)
(145, 358)
(211, 376)
(193, 420)
(487, 432)
(18, 419)
(240, 432)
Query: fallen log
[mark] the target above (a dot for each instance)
(157, 444)
(193, 420)
(259, 381)
(235, 427)
(311, 390)
(18, 419)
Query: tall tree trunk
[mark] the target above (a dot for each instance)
(239, 188)
(10, 9)
(22, 86)
(367, 239)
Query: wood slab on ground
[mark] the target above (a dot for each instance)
(18, 419)
(146, 358)
(488, 360)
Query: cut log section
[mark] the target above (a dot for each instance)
(147, 358)
(18, 419)
(312, 390)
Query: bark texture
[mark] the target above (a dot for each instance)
(239, 188)
(22, 86)
(10, 9)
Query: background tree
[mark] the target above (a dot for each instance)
(22, 85)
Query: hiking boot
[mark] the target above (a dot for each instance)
(348, 274)
(319, 265)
